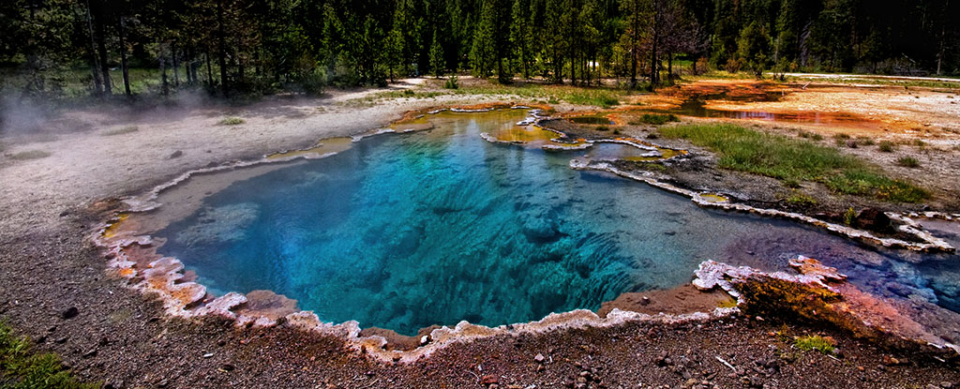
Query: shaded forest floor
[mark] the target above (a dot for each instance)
(53, 169)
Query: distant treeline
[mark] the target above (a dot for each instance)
(256, 45)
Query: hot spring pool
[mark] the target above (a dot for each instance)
(434, 227)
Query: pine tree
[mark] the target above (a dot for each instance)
(482, 51)
(437, 61)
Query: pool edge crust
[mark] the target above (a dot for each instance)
(930, 242)
(816, 294)
(187, 299)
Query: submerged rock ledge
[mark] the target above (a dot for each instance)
(929, 243)
(133, 257)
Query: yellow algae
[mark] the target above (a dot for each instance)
(417, 124)
(530, 134)
(114, 227)
(714, 198)
(326, 146)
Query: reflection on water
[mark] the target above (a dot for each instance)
(406, 231)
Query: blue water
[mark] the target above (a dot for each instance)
(406, 231)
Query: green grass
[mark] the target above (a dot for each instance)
(800, 199)
(28, 155)
(788, 159)
(815, 343)
(232, 121)
(20, 368)
(810, 135)
(590, 120)
(909, 162)
(553, 94)
(887, 146)
(120, 131)
(655, 119)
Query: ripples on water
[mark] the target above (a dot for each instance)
(406, 231)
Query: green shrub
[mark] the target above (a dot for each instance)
(29, 154)
(849, 216)
(865, 141)
(603, 128)
(909, 162)
(120, 131)
(21, 368)
(887, 146)
(452, 83)
(800, 199)
(655, 119)
(787, 158)
(815, 343)
(232, 121)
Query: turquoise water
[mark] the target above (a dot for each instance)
(406, 231)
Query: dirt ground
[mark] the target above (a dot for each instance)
(123, 339)
(920, 123)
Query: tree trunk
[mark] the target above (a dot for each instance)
(176, 64)
(654, 72)
(95, 66)
(123, 57)
(670, 65)
(209, 68)
(102, 47)
(163, 74)
(634, 44)
(223, 49)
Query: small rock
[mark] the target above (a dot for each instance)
(70, 313)
(539, 358)
(227, 367)
(90, 354)
(176, 154)
(424, 340)
(489, 379)
(645, 301)
(163, 383)
(207, 355)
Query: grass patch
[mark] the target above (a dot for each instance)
(553, 94)
(120, 131)
(232, 121)
(590, 120)
(810, 135)
(815, 343)
(801, 200)
(603, 128)
(887, 146)
(909, 162)
(788, 159)
(28, 155)
(655, 119)
(22, 369)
